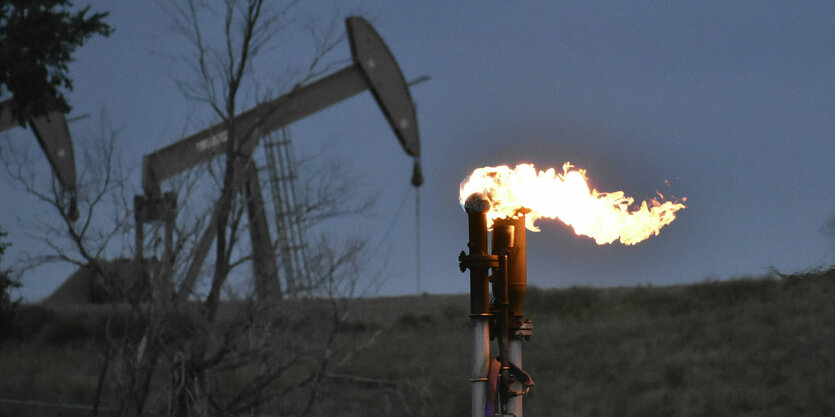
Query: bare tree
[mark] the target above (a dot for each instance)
(221, 347)
(233, 358)
(105, 212)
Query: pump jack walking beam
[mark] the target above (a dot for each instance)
(373, 68)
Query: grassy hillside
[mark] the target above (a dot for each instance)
(748, 347)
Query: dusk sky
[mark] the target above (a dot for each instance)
(732, 103)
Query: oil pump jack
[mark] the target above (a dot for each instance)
(53, 135)
(373, 68)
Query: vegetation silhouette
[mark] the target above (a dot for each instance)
(754, 346)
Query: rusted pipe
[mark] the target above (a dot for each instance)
(478, 262)
(503, 237)
(515, 287)
(517, 265)
(477, 207)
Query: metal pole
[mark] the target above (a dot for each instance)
(514, 355)
(503, 244)
(480, 364)
(166, 281)
(478, 262)
(263, 256)
(517, 283)
(139, 220)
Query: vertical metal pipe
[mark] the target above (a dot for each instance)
(514, 354)
(517, 286)
(477, 207)
(518, 265)
(480, 365)
(503, 242)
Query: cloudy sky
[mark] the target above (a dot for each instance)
(733, 103)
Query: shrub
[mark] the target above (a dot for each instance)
(7, 306)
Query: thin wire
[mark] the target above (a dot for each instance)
(417, 236)
(385, 236)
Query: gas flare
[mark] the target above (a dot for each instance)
(604, 217)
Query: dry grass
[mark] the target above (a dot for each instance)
(749, 347)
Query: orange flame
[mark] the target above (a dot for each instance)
(604, 217)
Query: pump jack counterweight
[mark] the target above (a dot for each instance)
(53, 135)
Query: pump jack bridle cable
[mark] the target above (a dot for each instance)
(417, 237)
(385, 236)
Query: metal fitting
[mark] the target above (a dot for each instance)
(524, 330)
